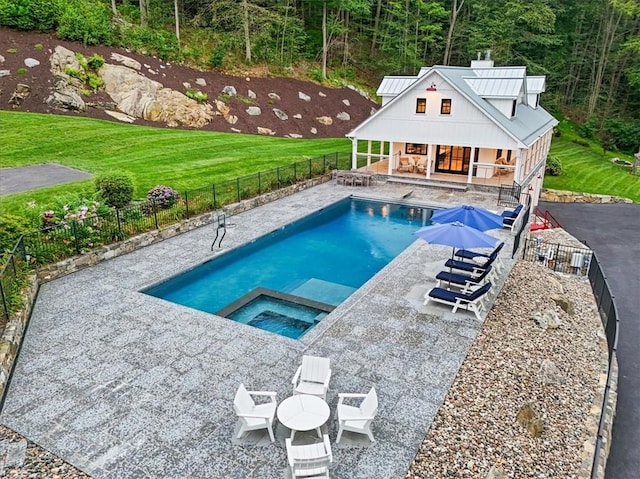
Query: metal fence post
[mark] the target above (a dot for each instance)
(259, 189)
(74, 232)
(295, 173)
(186, 204)
(213, 187)
(119, 223)
(155, 213)
(278, 175)
(310, 172)
(238, 188)
(5, 306)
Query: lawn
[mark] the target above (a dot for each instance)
(587, 170)
(181, 159)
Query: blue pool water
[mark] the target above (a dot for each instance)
(321, 259)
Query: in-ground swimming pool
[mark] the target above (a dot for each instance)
(288, 280)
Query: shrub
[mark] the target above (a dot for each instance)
(163, 196)
(21, 71)
(197, 95)
(95, 61)
(38, 46)
(217, 58)
(580, 142)
(554, 166)
(12, 50)
(30, 14)
(159, 42)
(88, 21)
(117, 190)
(11, 227)
(94, 81)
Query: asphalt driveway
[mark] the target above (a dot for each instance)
(613, 232)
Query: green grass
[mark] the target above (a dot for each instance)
(587, 169)
(181, 159)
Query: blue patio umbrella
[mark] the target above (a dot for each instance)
(474, 216)
(456, 235)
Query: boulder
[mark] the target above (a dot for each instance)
(66, 99)
(274, 96)
(231, 119)
(120, 116)
(298, 116)
(222, 107)
(496, 473)
(201, 82)
(254, 111)
(2, 60)
(346, 102)
(251, 94)
(529, 418)
(304, 96)
(5, 73)
(313, 130)
(176, 109)
(31, 62)
(63, 57)
(565, 303)
(325, 120)
(280, 114)
(548, 319)
(294, 135)
(265, 131)
(21, 92)
(549, 373)
(229, 90)
(344, 116)
(126, 61)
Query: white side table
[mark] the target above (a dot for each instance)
(303, 413)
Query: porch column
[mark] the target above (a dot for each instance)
(382, 153)
(390, 164)
(516, 175)
(368, 154)
(354, 153)
(472, 160)
(428, 161)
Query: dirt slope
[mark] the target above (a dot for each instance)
(16, 46)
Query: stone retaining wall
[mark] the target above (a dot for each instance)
(13, 331)
(560, 196)
(75, 263)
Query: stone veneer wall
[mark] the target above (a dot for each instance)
(559, 196)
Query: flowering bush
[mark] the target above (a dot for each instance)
(163, 196)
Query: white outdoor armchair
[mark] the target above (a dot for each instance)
(310, 461)
(357, 419)
(254, 416)
(312, 377)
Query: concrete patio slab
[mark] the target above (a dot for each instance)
(125, 385)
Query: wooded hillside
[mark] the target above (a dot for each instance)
(588, 49)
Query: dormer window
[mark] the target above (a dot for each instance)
(445, 106)
(513, 108)
(421, 105)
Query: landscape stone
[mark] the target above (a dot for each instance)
(222, 107)
(265, 131)
(251, 94)
(1, 59)
(120, 116)
(147, 66)
(346, 102)
(373, 110)
(548, 319)
(254, 111)
(21, 92)
(186, 84)
(565, 304)
(231, 119)
(294, 135)
(325, 120)
(549, 373)
(304, 96)
(230, 90)
(274, 96)
(66, 99)
(314, 130)
(321, 94)
(61, 58)
(280, 114)
(235, 130)
(126, 61)
(153, 72)
(31, 62)
(298, 116)
(4, 73)
(344, 116)
(496, 473)
(201, 82)
(529, 418)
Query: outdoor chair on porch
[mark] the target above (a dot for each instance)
(473, 268)
(310, 461)
(312, 377)
(357, 419)
(473, 302)
(254, 416)
(405, 165)
(466, 282)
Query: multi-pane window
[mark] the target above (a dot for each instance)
(445, 106)
(421, 105)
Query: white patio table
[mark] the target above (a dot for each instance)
(303, 413)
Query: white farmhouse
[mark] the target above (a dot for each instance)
(474, 125)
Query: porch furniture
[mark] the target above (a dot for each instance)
(466, 282)
(459, 299)
(357, 419)
(509, 216)
(475, 267)
(405, 165)
(303, 413)
(312, 377)
(353, 178)
(468, 254)
(421, 165)
(254, 416)
(310, 461)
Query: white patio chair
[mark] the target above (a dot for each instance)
(357, 419)
(310, 461)
(254, 416)
(312, 377)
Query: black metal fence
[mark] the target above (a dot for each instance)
(562, 258)
(522, 223)
(509, 195)
(79, 236)
(13, 275)
(610, 322)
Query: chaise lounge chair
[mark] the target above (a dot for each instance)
(468, 254)
(457, 299)
(473, 268)
(464, 281)
(509, 217)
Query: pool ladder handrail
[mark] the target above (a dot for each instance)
(222, 225)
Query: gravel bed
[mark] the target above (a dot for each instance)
(476, 427)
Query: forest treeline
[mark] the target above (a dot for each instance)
(589, 50)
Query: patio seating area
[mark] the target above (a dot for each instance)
(123, 385)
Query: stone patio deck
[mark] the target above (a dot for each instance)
(125, 385)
